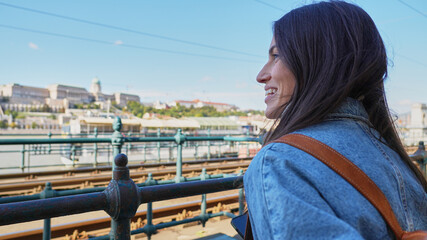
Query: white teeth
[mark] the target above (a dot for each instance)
(270, 91)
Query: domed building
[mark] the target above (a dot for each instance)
(95, 87)
(95, 90)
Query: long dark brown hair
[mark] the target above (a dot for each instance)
(334, 51)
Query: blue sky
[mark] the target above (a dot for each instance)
(119, 58)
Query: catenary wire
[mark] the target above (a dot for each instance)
(414, 9)
(411, 60)
(129, 30)
(403, 56)
(268, 4)
(124, 45)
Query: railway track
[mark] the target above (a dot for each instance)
(93, 170)
(31, 183)
(100, 226)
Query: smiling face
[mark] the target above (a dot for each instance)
(279, 83)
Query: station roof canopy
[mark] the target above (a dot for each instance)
(107, 121)
(215, 121)
(169, 123)
(190, 122)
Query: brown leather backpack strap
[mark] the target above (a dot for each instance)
(349, 171)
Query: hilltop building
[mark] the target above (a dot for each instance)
(74, 95)
(57, 97)
(123, 98)
(160, 105)
(220, 107)
(22, 98)
(23, 94)
(98, 96)
(417, 129)
(95, 87)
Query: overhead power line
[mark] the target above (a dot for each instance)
(129, 30)
(123, 44)
(411, 60)
(416, 10)
(272, 6)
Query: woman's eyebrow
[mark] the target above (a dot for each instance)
(270, 51)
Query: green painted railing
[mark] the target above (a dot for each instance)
(420, 157)
(122, 196)
(120, 200)
(109, 145)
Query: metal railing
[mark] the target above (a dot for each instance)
(96, 145)
(122, 196)
(120, 200)
(420, 157)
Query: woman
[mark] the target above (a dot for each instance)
(325, 79)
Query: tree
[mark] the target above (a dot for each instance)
(10, 112)
(3, 124)
(178, 111)
(46, 108)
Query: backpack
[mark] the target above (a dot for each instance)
(354, 175)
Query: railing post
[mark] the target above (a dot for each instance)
(48, 192)
(128, 146)
(23, 158)
(247, 144)
(95, 148)
(209, 144)
(179, 139)
(108, 153)
(29, 157)
(229, 142)
(122, 198)
(421, 157)
(203, 216)
(150, 228)
(73, 154)
(241, 197)
(49, 149)
(117, 138)
(158, 145)
(196, 151)
(170, 153)
(144, 147)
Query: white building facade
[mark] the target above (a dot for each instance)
(417, 129)
(123, 98)
(220, 107)
(74, 95)
(57, 97)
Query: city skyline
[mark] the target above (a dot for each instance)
(99, 91)
(168, 50)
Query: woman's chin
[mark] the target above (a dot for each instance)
(271, 114)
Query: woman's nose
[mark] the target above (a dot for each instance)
(263, 76)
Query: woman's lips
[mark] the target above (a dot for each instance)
(269, 93)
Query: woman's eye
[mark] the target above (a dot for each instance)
(275, 56)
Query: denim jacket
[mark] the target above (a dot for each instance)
(292, 195)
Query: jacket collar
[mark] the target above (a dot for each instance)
(350, 108)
